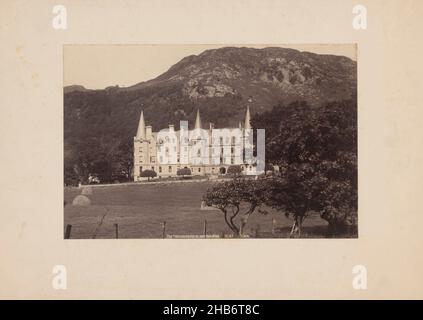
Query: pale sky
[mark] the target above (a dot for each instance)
(100, 66)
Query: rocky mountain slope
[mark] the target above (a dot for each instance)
(219, 82)
(262, 74)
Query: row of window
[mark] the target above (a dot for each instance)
(169, 169)
(222, 160)
(174, 149)
(186, 149)
(160, 169)
(233, 141)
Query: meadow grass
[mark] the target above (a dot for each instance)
(140, 210)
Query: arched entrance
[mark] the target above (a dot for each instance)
(222, 170)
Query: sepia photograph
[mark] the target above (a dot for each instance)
(213, 158)
(210, 141)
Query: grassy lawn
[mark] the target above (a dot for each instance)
(140, 209)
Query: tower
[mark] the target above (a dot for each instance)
(248, 141)
(140, 147)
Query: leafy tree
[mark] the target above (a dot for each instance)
(148, 174)
(108, 160)
(235, 170)
(296, 193)
(106, 157)
(70, 176)
(235, 195)
(268, 168)
(126, 159)
(316, 151)
(183, 172)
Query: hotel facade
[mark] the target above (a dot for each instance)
(203, 151)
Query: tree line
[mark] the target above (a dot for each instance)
(315, 151)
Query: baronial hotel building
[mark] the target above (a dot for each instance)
(204, 151)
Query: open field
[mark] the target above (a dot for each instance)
(141, 209)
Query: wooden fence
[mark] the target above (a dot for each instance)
(256, 232)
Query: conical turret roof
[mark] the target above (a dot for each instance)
(141, 126)
(247, 124)
(198, 120)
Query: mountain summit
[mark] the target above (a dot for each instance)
(261, 75)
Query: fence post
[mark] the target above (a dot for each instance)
(164, 229)
(205, 228)
(117, 230)
(68, 231)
